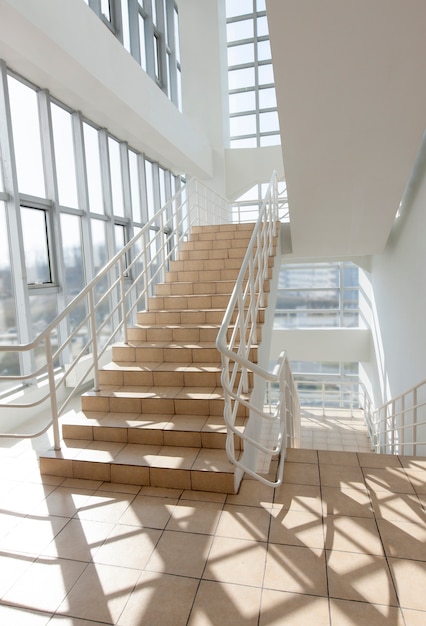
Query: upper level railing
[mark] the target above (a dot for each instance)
(274, 419)
(399, 426)
(72, 347)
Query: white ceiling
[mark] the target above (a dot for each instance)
(351, 90)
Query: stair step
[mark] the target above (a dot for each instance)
(200, 431)
(161, 352)
(159, 400)
(197, 316)
(199, 469)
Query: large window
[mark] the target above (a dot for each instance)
(313, 295)
(149, 30)
(330, 384)
(71, 195)
(252, 104)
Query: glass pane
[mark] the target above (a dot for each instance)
(125, 25)
(266, 74)
(9, 361)
(149, 188)
(243, 125)
(267, 98)
(260, 5)
(142, 42)
(177, 42)
(72, 255)
(99, 244)
(309, 276)
(26, 138)
(309, 299)
(238, 55)
(270, 140)
(350, 298)
(237, 79)
(350, 276)
(64, 156)
(268, 122)
(43, 309)
(262, 26)
(105, 9)
(238, 7)
(264, 50)
(243, 29)
(93, 168)
(116, 177)
(240, 102)
(120, 237)
(134, 186)
(34, 231)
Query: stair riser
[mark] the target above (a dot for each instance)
(170, 354)
(157, 406)
(207, 260)
(161, 379)
(219, 482)
(178, 335)
(187, 317)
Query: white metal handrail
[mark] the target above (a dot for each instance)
(106, 307)
(399, 426)
(247, 384)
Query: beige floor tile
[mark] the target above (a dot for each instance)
(352, 502)
(244, 522)
(301, 455)
(301, 473)
(352, 534)
(182, 554)
(404, 540)
(298, 498)
(128, 546)
(13, 616)
(371, 459)
(63, 501)
(237, 561)
(79, 540)
(337, 458)
(296, 528)
(198, 517)
(159, 600)
(204, 496)
(296, 569)
(105, 507)
(414, 618)
(281, 608)
(225, 604)
(253, 493)
(342, 476)
(11, 569)
(32, 535)
(391, 479)
(410, 582)
(360, 577)
(45, 584)
(149, 511)
(347, 613)
(417, 479)
(101, 593)
(398, 507)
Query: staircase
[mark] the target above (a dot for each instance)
(157, 418)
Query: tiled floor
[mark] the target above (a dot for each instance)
(341, 542)
(337, 430)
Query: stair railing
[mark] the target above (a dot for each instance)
(66, 363)
(268, 397)
(399, 426)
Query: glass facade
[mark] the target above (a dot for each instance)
(74, 196)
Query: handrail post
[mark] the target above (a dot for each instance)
(123, 299)
(52, 394)
(92, 317)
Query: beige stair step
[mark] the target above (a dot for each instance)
(159, 400)
(198, 316)
(198, 469)
(200, 431)
(171, 352)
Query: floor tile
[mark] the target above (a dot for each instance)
(410, 582)
(79, 540)
(13, 616)
(348, 613)
(45, 584)
(414, 618)
(197, 517)
(281, 608)
(352, 534)
(101, 593)
(149, 511)
(128, 546)
(237, 561)
(351, 502)
(298, 498)
(296, 528)
(403, 539)
(360, 577)
(32, 535)
(183, 554)
(244, 522)
(225, 604)
(296, 569)
(105, 507)
(159, 600)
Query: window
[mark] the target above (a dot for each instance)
(35, 234)
(64, 156)
(252, 103)
(326, 383)
(313, 295)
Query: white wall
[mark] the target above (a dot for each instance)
(322, 344)
(396, 291)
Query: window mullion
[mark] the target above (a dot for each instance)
(135, 49)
